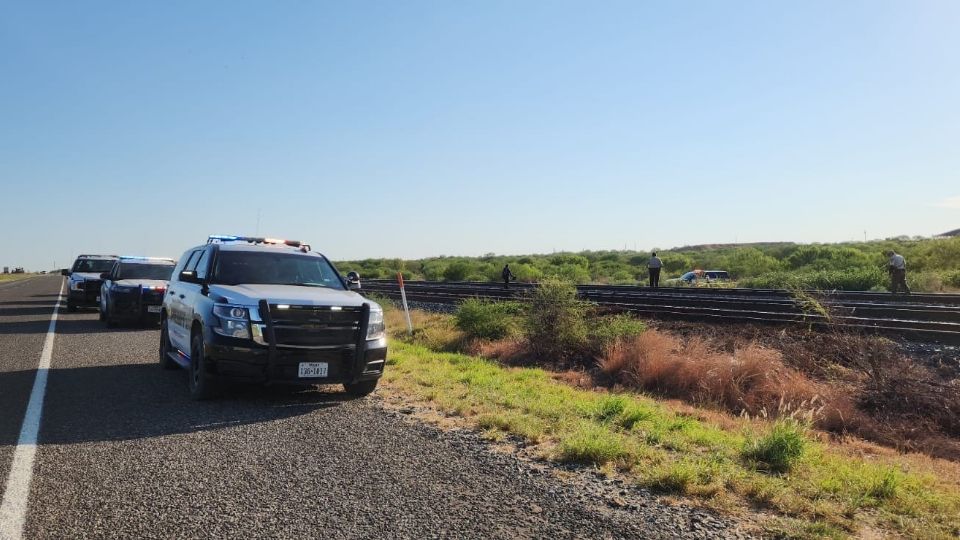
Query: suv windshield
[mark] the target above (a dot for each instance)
(145, 271)
(96, 266)
(236, 267)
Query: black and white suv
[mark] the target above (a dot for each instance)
(268, 311)
(83, 285)
(134, 288)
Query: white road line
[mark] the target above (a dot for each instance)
(13, 509)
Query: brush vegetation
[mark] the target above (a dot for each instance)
(933, 265)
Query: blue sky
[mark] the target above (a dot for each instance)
(410, 129)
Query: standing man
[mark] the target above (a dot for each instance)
(507, 275)
(897, 267)
(653, 266)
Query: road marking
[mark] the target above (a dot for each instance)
(13, 509)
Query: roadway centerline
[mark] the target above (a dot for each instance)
(13, 509)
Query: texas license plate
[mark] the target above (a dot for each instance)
(153, 309)
(312, 370)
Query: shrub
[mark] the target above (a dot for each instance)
(611, 329)
(780, 449)
(859, 279)
(489, 320)
(555, 325)
(952, 278)
(457, 271)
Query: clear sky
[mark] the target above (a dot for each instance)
(410, 129)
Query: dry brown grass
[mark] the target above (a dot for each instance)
(751, 379)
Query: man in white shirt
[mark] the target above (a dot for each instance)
(897, 266)
(653, 266)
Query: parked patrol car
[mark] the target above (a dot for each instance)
(133, 289)
(268, 311)
(83, 287)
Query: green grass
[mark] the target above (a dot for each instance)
(780, 449)
(808, 488)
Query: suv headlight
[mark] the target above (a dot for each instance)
(234, 321)
(375, 326)
(76, 285)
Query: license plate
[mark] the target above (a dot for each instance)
(312, 369)
(153, 309)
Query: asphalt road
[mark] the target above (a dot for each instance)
(124, 453)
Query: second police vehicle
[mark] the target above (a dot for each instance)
(133, 289)
(83, 285)
(268, 311)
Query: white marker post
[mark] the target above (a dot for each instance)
(403, 298)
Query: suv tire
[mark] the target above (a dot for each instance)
(164, 353)
(201, 387)
(360, 389)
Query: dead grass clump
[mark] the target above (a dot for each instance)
(752, 379)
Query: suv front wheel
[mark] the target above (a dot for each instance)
(201, 387)
(165, 361)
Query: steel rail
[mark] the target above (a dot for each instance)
(936, 319)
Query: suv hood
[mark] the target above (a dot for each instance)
(251, 295)
(83, 276)
(143, 282)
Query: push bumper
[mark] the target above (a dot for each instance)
(84, 298)
(243, 361)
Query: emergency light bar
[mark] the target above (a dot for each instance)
(151, 259)
(224, 238)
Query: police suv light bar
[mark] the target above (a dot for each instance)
(223, 238)
(141, 258)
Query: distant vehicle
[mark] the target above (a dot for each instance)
(83, 287)
(133, 289)
(697, 277)
(269, 311)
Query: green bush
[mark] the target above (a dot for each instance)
(489, 320)
(952, 279)
(457, 271)
(780, 449)
(556, 321)
(608, 330)
(860, 279)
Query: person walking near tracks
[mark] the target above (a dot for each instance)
(507, 275)
(897, 267)
(653, 266)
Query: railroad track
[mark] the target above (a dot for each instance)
(918, 317)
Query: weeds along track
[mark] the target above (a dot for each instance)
(919, 317)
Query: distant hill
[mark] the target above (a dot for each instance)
(955, 232)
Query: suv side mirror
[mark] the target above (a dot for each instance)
(105, 275)
(189, 276)
(353, 281)
(65, 272)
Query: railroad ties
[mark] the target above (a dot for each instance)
(917, 317)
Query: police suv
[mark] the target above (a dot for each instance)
(268, 311)
(134, 288)
(83, 287)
